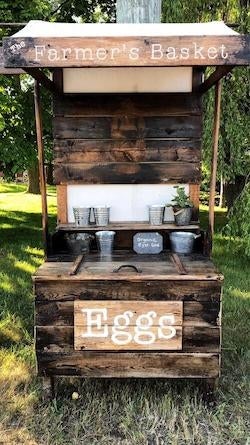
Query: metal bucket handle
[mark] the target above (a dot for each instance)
(127, 265)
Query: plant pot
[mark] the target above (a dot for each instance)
(182, 216)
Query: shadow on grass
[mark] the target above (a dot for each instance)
(21, 252)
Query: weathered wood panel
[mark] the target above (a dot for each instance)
(152, 51)
(137, 150)
(61, 339)
(126, 127)
(133, 105)
(115, 308)
(108, 364)
(106, 344)
(58, 290)
(61, 313)
(128, 173)
(62, 204)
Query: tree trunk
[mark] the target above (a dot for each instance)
(33, 174)
(138, 11)
(50, 170)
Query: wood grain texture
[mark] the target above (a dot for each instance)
(61, 339)
(128, 173)
(62, 204)
(61, 312)
(58, 290)
(135, 150)
(115, 308)
(132, 105)
(126, 127)
(143, 365)
(236, 47)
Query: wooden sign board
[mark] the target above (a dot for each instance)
(128, 325)
(147, 242)
(126, 51)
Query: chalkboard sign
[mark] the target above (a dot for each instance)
(148, 242)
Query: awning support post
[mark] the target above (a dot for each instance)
(214, 161)
(42, 176)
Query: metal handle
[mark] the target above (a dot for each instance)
(127, 265)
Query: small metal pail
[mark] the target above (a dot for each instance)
(156, 213)
(101, 215)
(81, 215)
(182, 242)
(105, 241)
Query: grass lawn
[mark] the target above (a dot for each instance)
(125, 412)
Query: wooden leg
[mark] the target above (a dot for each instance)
(210, 386)
(48, 388)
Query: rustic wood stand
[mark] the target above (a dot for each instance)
(93, 313)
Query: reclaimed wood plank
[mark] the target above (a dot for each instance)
(114, 308)
(61, 339)
(139, 150)
(61, 313)
(126, 127)
(152, 51)
(124, 364)
(62, 204)
(133, 105)
(58, 290)
(107, 344)
(128, 173)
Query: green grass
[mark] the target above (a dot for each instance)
(126, 412)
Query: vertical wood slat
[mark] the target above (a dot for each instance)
(194, 194)
(62, 204)
(42, 176)
(217, 111)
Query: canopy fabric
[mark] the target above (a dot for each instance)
(38, 28)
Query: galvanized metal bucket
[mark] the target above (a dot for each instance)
(183, 216)
(101, 215)
(78, 243)
(82, 215)
(105, 241)
(182, 242)
(156, 213)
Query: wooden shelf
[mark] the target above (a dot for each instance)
(136, 226)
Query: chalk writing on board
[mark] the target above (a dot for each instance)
(147, 242)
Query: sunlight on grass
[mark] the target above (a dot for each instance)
(111, 412)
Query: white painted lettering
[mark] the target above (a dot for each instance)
(53, 55)
(143, 335)
(39, 52)
(212, 52)
(184, 53)
(171, 53)
(119, 334)
(95, 318)
(114, 52)
(65, 53)
(83, 54)
(101, 53)
(156, 51)
(223, 55)
(134, 53)
(198, 51)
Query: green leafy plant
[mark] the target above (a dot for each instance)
(181, 200)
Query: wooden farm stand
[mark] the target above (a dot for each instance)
(126, 138)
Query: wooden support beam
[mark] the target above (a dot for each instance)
(217, 74)
(42, 79)
(42, 176)
(217, 110)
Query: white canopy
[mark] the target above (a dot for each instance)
(38, 28)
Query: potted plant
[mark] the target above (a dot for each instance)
(182, 207)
